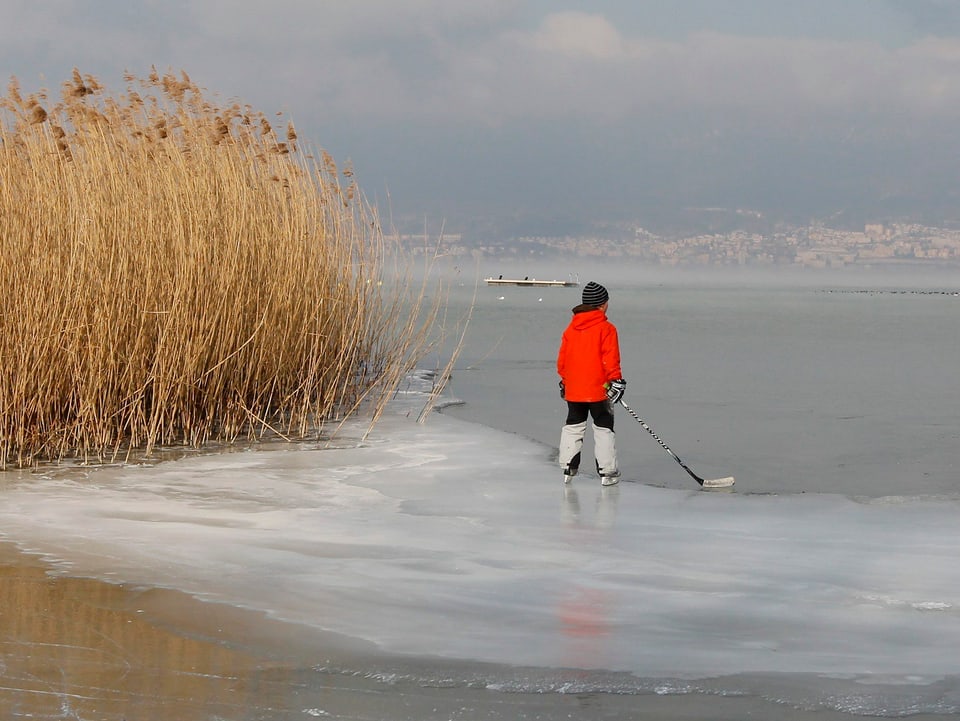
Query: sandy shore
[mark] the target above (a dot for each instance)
(80, 648)
(83, 649)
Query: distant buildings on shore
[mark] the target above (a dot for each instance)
(814, 247)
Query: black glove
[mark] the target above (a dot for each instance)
(615, 390)
(563, 391)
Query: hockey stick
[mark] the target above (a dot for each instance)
(705, 483)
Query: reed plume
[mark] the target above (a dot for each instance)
(172, 274)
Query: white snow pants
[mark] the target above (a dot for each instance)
(604, 439)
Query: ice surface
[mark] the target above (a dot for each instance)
(453, 539)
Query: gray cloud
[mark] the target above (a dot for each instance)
(476, 63)
(930, 17)
(510, 103)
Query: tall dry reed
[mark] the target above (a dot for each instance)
(176, 271)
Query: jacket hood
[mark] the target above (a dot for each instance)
(585, 316)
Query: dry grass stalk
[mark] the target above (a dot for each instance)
(170, 273)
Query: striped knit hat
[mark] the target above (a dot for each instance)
(595, 294)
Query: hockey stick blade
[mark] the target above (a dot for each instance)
(719, 482)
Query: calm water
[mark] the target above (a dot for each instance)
(792, 385)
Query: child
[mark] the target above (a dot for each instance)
(591, 382)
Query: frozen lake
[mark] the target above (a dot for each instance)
(455, 542)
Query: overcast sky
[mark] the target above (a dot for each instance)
(562, 108)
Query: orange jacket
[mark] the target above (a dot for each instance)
(589, 355)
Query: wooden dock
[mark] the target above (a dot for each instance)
(532, 282)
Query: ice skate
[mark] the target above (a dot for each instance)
(610, 479)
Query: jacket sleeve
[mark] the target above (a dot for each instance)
(562, 355)
(610, 354)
